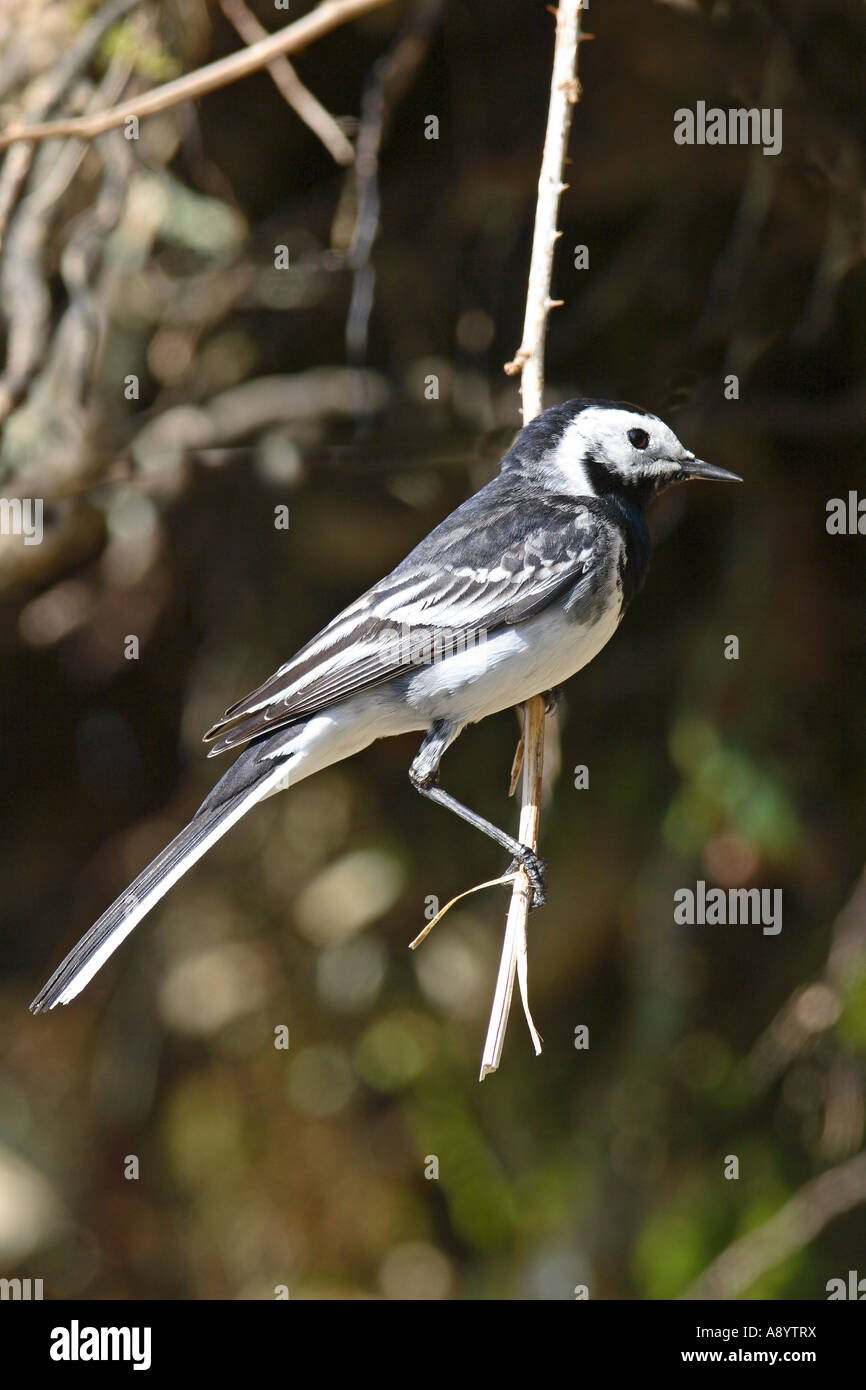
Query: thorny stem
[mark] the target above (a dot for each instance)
(529, 362)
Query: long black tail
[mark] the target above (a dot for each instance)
(245, 783)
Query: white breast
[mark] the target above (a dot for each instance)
(513, 664)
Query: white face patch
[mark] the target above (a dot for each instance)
(602, 433)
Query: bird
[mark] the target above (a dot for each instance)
(507, 598)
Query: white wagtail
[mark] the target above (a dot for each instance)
(513, 593)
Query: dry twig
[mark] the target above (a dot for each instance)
(529, 361)
(564, 92)
(290, 86)
(24, 294)
(50, 90)
(330, 14)
(513, 959)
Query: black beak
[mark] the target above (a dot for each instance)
(696, 468)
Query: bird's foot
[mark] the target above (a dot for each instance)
(536, 871)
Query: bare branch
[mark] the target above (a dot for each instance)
(330, 14)
(513, 959)
(290, 86)
(529, 361)
(799, 1221)
(814, 1007)
(49, 90)
(24, 295)
(388, 80)
(564, 92)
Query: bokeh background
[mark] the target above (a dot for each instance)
(305, 388)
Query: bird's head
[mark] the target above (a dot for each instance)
(608, 448)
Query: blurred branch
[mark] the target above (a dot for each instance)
(529, 361)
(844, 241)
(290, 86)
(24, 293)
(753, 210)
(806, 1020)
(800, 1220)
(49, 91)
(388, 81)
(241, 411)
(814, 1007)
(59, 392)
(330, 14)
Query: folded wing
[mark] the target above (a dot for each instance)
(469, 575)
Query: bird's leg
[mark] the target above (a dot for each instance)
(423, 775)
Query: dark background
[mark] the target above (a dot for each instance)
(306, 1168)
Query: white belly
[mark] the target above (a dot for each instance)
(511, 665)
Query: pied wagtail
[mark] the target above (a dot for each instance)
(513, 593)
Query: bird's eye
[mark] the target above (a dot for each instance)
(639, 438)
